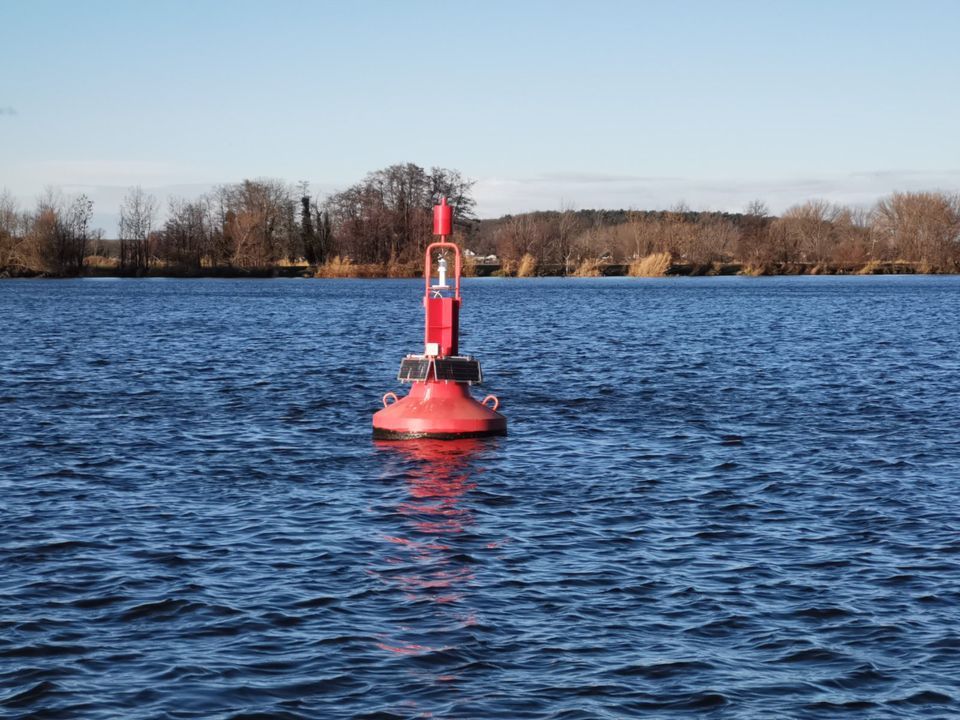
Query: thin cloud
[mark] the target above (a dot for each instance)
(499, 196)
(118, 173)
(8, 110)
(902, 174)
(586, 178)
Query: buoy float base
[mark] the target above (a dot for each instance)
(439, 405)
(440, 410)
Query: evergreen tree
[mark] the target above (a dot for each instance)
(324, 237)
(307, 234)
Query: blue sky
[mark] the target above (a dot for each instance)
(594, 104)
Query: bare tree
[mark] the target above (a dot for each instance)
(56, 242)
(811, 229)
(757, 209)
(520, 236)
(457, 189)
(920, 227)
(853, 247)
(754, 247)
(712, 240)
(13, 229)
(78, 233)
(250, 225)
(186, 234)
(567, 225)
(386, 217)
(138, 213)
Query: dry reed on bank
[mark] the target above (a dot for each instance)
(527, 267)
(655, 265)
(756, 270)
(99, 262)
(588, 268)
(337, 267)
(507, 269)
(402, 270)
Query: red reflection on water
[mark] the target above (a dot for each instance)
(411, 649)
(438, 474)
(441, 478)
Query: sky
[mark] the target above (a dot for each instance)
(545, 104)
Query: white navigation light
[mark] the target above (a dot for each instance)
(442, 272)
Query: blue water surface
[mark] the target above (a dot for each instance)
(719, 498)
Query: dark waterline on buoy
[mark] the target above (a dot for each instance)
(723, 497)
(388, 435)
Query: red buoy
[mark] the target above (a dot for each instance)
(439, 404)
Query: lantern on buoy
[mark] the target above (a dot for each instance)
(439, 404)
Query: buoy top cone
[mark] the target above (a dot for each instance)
(439, 404)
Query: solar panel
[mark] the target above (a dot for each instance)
(458, 369)
(414, 369)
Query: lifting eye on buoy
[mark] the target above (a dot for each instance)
(439, 404)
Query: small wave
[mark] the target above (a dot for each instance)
(42, 651)
(98, 601)
(165, 609)
(822, 613)
(924, 697)
(817, 655)
(841, 706)
(39, 691)
(700, 701)
(665, 669)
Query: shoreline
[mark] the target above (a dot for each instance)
(372, 272)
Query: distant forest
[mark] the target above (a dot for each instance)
(381, 225)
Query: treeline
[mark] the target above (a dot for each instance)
(55, 238)
(381, 225)
(388, 218)
(920, 230)
(252, 225)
